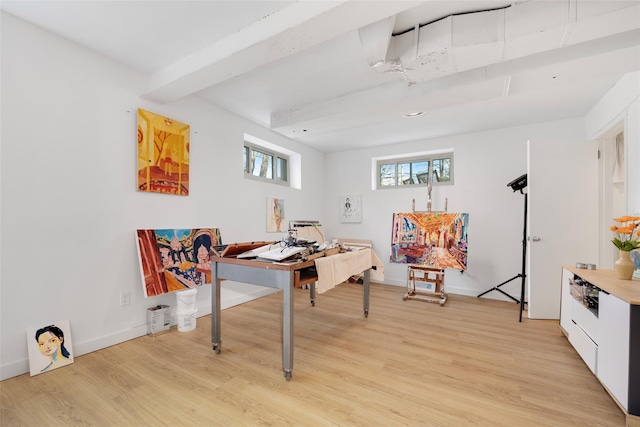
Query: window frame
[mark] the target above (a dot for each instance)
(277, 158)
(410, 160)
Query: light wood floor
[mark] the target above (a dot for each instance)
(410, 363)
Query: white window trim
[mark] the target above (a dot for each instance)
(294, 161)
(375, 170)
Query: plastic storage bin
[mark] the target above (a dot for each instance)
(186, 320)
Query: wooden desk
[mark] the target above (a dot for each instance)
(272, 275)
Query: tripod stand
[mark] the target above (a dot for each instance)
(520, 183)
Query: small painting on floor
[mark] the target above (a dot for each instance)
(49, 347)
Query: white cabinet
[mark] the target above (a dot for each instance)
(605, 331)
(580, 323)
(613, 348)
(565, 306)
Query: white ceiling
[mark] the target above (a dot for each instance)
(303, 68)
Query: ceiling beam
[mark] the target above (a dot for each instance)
(291, 30)
(375, 40)
(480, 84)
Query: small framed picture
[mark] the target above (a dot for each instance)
(430, 287)
(351, 208)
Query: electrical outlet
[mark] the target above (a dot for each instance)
(124, 298)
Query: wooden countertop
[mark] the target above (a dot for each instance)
(626, 290)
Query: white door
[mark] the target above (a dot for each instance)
(562, 217)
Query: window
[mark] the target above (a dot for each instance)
(416, 170)
(269, 162)
(263, 164)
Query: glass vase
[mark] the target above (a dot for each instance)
(624, 266)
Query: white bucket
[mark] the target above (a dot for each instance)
(186, 320)
(186, 300)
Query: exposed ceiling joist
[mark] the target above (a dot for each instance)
(305, 68)
(488, 82)
(490, 49)
(288, 31)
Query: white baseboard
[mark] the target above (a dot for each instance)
(231, 294)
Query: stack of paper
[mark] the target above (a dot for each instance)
(278, 253)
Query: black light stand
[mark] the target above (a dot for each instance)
(517, 184)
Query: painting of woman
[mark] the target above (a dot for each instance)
(51, 344)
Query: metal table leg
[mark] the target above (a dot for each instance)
(216, 339)
(367, 273)
(287, 328)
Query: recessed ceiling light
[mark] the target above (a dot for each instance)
(416, 114)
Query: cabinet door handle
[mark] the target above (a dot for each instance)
(535, 238)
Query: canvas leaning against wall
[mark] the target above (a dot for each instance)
(49, 347)
(173, 260)
(430, 239)
(163, 154)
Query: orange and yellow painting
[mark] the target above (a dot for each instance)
(432, 239)
(163, 154)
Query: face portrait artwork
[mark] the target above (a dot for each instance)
(49, 347)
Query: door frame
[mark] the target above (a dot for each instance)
(609, 202)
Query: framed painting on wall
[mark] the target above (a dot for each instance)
(49, 347)
(163, 154)
(173, 260)
(351, 208)
(275, 215)
(430, 239)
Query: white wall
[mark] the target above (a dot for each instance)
(69, 202)
(69, 205)
(484, 162)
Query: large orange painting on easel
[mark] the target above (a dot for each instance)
(430, 239)
(163, 154)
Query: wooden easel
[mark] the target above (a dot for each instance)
(433, 278)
